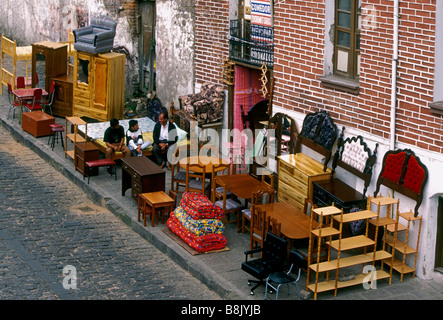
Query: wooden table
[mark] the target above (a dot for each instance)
(153, 200)
(244, 185)
(295, 224)
(25, 95)
(209, 162)
(142, 175)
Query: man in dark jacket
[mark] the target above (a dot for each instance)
(165, 135)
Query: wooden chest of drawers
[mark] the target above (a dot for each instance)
(84, 152)
(296, 173)
(141, 175)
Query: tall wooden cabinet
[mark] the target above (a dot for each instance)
(99, 85)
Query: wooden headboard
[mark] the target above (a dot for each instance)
(353, 155)
(403, 172)
(319, 133)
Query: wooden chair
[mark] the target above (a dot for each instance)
(228, 205)
(257, 198)
(178, 177)
(273, 226)
(196, 180)
(258, 228)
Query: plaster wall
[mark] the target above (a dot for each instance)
(28, 22)
(174, 49)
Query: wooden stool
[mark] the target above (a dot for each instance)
(153, 200)
(53, 138)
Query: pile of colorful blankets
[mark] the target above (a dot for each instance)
(197, 221)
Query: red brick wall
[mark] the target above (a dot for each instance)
(299, 54)
(211, 45)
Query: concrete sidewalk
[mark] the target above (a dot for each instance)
(220, 271)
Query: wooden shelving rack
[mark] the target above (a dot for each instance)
(403, 247)
(341, 245)
(74, 137)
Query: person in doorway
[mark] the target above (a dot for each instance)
(114, 139)
(134, 139)
(165, 135)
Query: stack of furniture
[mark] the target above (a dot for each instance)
(197, 221)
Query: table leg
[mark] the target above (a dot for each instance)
(154, 209)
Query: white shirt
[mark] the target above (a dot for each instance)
(164, 134)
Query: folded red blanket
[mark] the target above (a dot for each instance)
(208, 242)
(198, 206)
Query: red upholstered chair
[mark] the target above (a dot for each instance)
(36, 101)
(13, 103)
(50, 101)
(20, 82)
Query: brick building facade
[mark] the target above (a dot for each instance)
(398, 114)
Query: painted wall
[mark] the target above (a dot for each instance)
(174, 49)
(26, 22)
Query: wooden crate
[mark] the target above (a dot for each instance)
(37, 123)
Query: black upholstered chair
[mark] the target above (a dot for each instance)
(272, 260)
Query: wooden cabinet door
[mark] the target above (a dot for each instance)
(100, 84)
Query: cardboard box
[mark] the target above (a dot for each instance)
(37, 123)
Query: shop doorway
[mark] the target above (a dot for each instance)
(147, 45)
(439, 244)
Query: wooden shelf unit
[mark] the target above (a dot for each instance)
(403, 247)
(341, 245)
(74, 137)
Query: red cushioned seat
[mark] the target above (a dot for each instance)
(101, 163)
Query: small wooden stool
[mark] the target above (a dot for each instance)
(153, 200)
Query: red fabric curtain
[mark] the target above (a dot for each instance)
(246, 92)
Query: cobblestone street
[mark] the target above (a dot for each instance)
(48, 223)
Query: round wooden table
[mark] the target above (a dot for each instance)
(208, 161)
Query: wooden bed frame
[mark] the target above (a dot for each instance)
(346, 154)
(10, 48)
(319, 133)
(403, 172)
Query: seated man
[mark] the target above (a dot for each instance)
(134, 139)
(114, 138)
(165, 135)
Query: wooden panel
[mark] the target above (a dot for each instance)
(101, 84)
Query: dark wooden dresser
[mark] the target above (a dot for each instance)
(142, 175)
(336, 191)
(84, 152)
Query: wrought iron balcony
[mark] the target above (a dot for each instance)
(251, 44)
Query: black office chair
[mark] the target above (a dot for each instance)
(272, 260)
(276, 279)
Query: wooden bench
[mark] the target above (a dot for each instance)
(100, 163)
